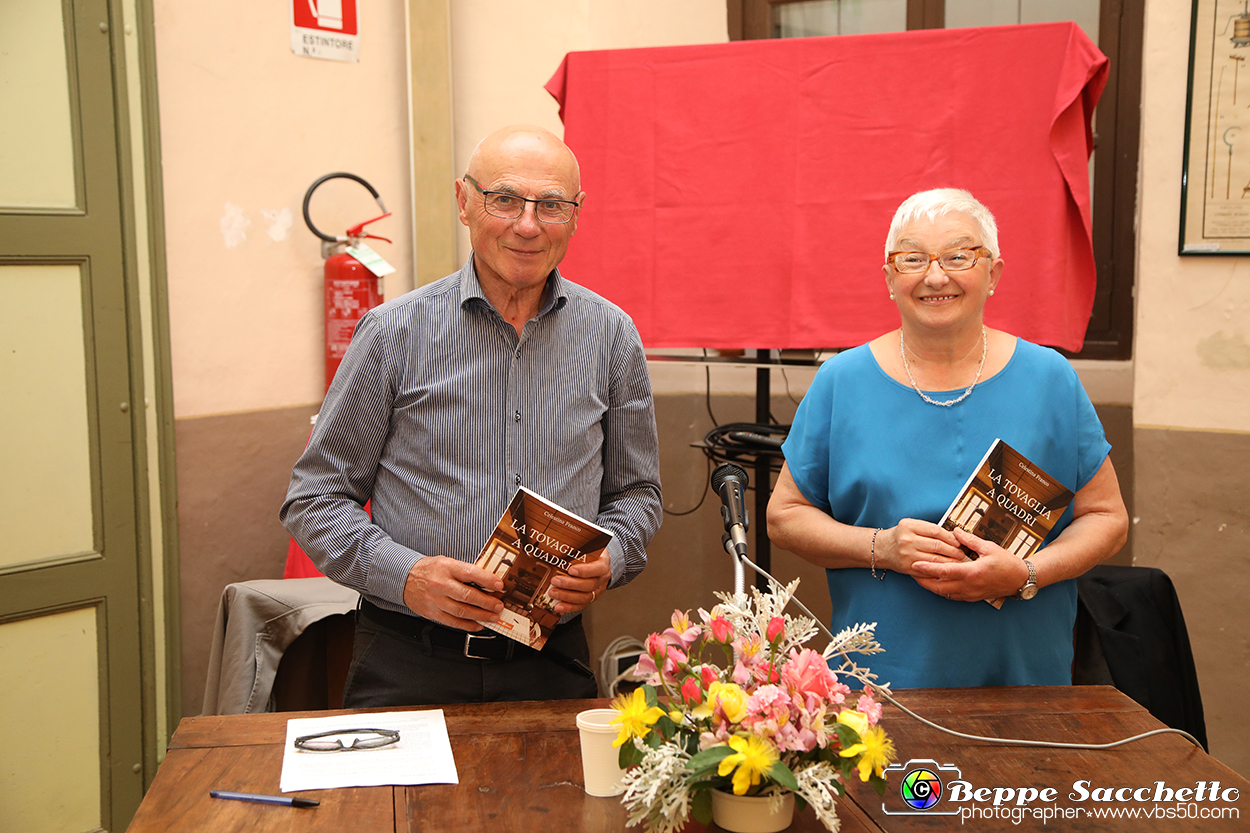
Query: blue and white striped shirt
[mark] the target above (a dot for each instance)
(439, 411)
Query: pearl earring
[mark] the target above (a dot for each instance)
(991, 292)
(891, 296)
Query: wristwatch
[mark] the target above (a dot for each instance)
(1029, 590)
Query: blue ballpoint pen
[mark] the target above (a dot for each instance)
(292, 801)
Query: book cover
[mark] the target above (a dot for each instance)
(534, 541)
(1010, 501)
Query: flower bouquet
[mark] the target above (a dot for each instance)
(770, 719)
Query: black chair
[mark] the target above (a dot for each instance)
(1130, 633)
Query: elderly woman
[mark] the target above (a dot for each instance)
(889, 433)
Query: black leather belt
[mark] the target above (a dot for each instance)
(484, 644)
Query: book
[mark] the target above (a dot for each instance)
(534, 541)
(1010, 501)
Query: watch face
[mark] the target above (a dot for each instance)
(1028, 591)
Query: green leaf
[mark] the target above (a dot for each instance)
(665, 726)
(653, 740)
(710, 757)
(846, 735)
(781, 773)
(630, 755)
(878, 783)
(701, 807)
(716, 782)
(653, 699)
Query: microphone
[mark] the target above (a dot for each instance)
(730, 482)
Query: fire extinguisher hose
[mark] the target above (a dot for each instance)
(308, 198)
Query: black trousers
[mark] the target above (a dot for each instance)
(401, 660)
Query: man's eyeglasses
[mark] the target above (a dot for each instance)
(951, 260)
(362, 739)
(507, 206)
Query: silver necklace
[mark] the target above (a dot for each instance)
(902, 351)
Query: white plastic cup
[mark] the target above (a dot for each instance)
(600, 768)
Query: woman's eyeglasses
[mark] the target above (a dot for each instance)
(951, 260)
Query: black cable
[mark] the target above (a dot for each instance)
(743, 443)
(746, 444)
(702, 497)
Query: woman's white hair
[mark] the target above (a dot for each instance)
(940, 202)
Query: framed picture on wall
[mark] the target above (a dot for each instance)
(1215, 183)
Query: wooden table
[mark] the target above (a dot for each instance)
(520, 770)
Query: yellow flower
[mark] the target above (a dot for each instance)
(859, 722)
(753, 757)
(877, 754)
(731, 699)
(856, 720)
(634, 717)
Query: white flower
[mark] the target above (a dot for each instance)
(656, 790)
(816, 785)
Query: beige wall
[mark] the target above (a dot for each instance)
(1193, 313)
(1191, 403)
(246, 127)
(246, 123)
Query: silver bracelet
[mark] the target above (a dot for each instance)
(872, 558)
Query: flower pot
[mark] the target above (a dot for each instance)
(751, 813)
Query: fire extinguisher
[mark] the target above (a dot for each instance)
(352, 288)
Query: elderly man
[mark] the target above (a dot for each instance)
(450, 397)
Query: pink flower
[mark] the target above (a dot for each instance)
(765, 673)
(808, 674)
(683, 632)
(722, 629)
(769, 701)
(776, 627)
(691, 693)
(661, 658)
(749, 653)
(870, 708)
(657, 647)
(709, 675)
(795, 738)
(768, 713)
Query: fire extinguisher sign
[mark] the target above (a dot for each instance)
(325, 29)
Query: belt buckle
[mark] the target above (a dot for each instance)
(468, 641)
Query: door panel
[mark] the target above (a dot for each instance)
(37, 166)
(43, 363)
(53, 685)
(69, 498)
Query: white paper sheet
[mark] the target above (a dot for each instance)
(422, 755)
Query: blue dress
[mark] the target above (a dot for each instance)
(869, 451)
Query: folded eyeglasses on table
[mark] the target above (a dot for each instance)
(362, 740)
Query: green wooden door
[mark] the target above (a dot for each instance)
(71, 702)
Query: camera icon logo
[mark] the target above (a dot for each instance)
(921, 787)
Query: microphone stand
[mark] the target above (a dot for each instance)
(739, 573)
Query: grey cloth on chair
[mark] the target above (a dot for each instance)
(1130, 632)
(257, 621)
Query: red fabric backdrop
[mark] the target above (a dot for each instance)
(739, 194)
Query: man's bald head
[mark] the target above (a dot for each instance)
(529, 148)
